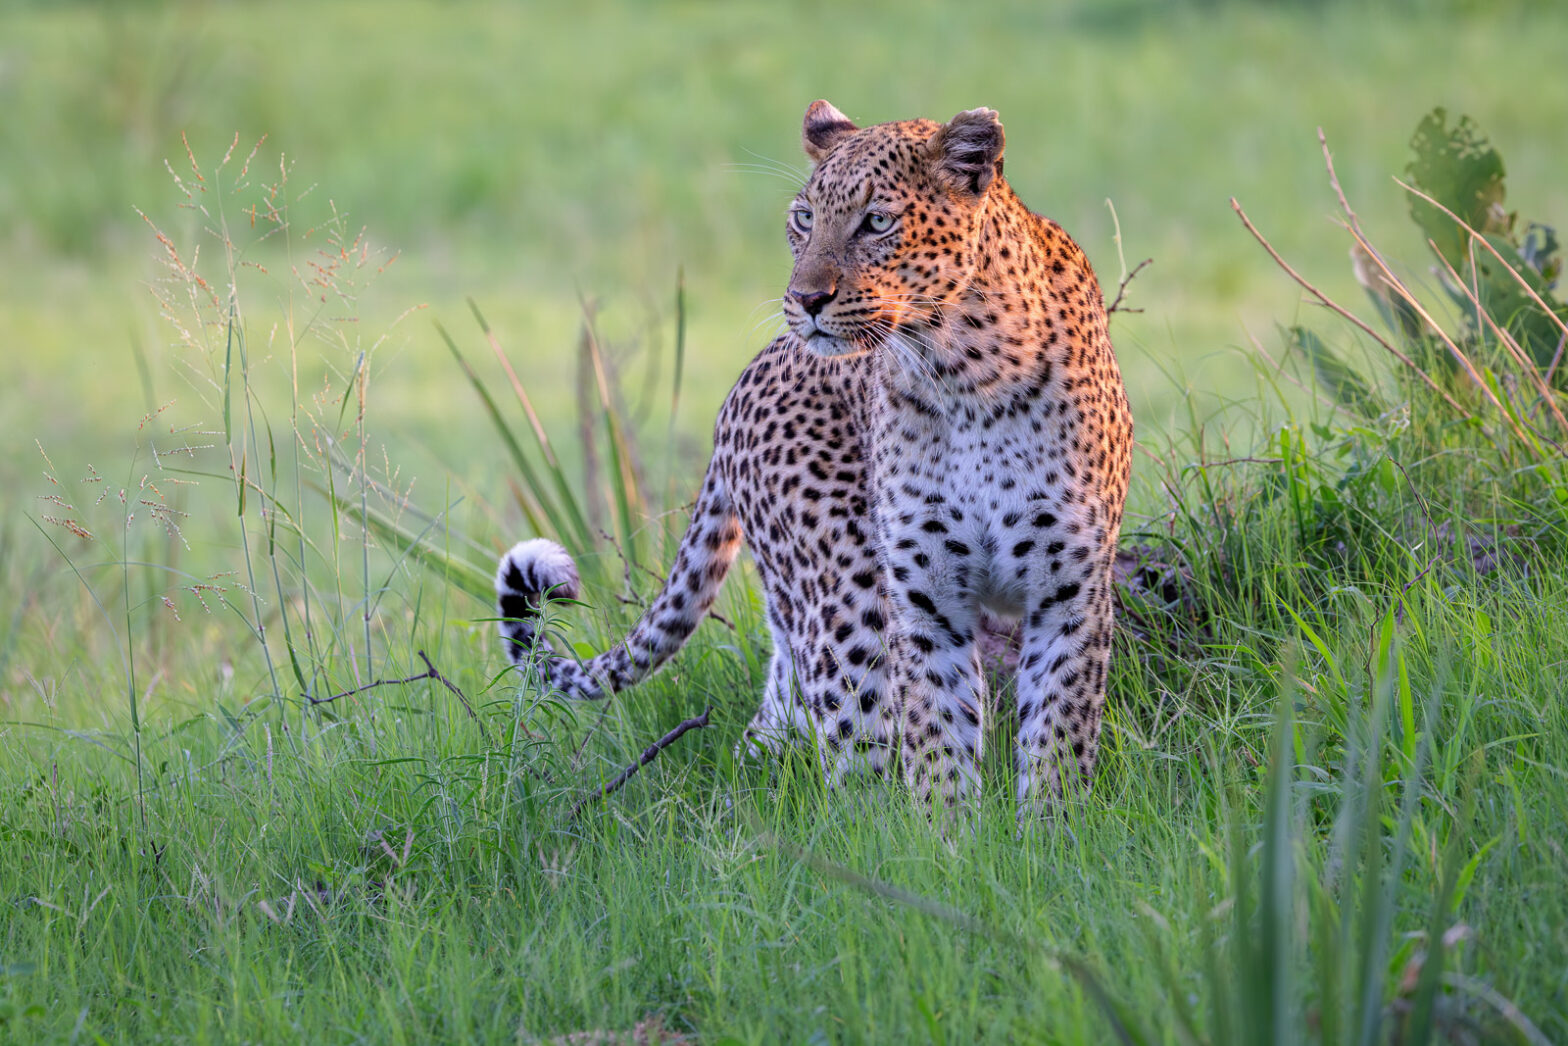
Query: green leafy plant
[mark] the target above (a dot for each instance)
(1511, 275)
(1499, 279)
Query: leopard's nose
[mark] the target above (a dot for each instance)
(814, 301)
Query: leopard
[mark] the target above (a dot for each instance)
(940, 436)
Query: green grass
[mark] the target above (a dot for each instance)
(1343, 741)
(381, 872)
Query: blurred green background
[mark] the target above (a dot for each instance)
(529, 154)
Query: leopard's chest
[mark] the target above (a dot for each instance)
(966, 450)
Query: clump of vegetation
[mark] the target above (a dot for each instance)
(1435, 443)
(1500, 279)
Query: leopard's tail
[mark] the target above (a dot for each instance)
(538, 570)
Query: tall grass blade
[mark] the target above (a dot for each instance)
(539, 500)
(630, 509)
(570, 523)
(1186, 1027)
(1123, 1024)
(1423, 1001)
(1276, 899)
(675, 387)
(1372, 917)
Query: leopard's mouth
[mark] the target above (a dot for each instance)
(833, 346)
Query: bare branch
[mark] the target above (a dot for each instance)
(1121, 291)
(431, 673)
(1230, 461)
(444, 681)
(1334, 306)
(648, 756)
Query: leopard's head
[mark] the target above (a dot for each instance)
(884, 231)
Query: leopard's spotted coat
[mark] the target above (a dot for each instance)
(942, 433)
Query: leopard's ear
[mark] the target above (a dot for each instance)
(823, 128)
(967, 151)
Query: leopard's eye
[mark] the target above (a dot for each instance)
(879, 221)
(802, 218)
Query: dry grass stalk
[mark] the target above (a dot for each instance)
(1334, 306)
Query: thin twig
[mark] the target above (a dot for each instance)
(1333, 179)
(1334, 306)
(648, 756)
(431, 673)
(1395, 284)
(1557, 357)
(1230, 461)
(436, 675)
(1121, 291)
(368, 686)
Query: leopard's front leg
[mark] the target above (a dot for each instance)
(1062, 671)
(936, 674)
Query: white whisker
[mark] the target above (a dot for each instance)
(764, 303)
(751, 168)
(780, 324)
(776, 165)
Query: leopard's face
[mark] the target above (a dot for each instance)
(883, 232)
